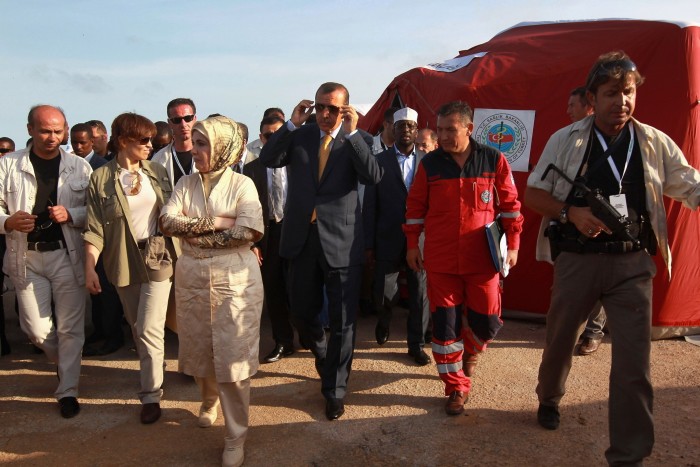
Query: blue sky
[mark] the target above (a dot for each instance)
(97, 59)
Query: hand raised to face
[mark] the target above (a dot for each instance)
(301, 112)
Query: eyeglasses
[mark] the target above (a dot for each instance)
(132, 183)
(268, 134)
(178, 120)
(46, 224)
(144, 141)
(332, 109)
(5, 150)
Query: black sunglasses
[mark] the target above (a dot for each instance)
(331, 108)
(4, 150)
(144, 141)
(46, 224)
(178, 120)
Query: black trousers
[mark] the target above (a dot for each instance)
(107, 311)
(274, 279)
(386, 291)
(308, 273)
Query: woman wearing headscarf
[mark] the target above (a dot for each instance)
(124, 199)
(219, 294)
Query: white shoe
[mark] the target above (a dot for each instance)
(233, 456)
(207, 416)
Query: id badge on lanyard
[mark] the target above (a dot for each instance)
(619, 201)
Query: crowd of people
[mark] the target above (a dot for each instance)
(316, 221)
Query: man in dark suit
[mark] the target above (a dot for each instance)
(384, 213)
(322, 233)
(274, 267)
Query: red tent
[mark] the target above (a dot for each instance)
(534, 67)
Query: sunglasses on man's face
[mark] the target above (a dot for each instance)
(178, 120)
(332, 109)
(4, 150)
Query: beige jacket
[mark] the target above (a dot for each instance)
(219, 292)
(666, 172)
(17, 193)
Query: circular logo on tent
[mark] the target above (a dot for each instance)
(505, 132)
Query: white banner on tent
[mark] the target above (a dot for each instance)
(509, 131)
(454, 64)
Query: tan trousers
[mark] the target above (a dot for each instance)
(235, 400)
(50, 275)
(145, 306)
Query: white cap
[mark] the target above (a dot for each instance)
(406, 113)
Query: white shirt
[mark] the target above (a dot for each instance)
(144, 215)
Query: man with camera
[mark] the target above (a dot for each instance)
(626, 165)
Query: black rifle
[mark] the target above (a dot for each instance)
(600, 207)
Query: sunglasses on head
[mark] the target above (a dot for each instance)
(612, 68)
(331, 108)
(178, 120)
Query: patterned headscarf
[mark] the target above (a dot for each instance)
(225, 138)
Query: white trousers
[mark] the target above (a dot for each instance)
(50, 276)
(145, 306)
(235, 401)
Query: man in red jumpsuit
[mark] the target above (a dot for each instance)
(459, 188)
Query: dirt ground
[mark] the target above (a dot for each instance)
(394, 410)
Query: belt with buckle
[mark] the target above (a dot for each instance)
(46, 246)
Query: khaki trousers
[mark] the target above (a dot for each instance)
(623, 284)
(50, 275)
(235, 401)
(145, 306)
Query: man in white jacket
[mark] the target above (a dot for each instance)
(42, 213)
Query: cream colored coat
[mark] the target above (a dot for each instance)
(666, 172)
(219, 292)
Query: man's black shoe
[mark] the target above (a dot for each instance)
(150, 413)
(69, 406)
(381, 333)
(334, 409)
(419, 356)
(548, 417)
(280, 351)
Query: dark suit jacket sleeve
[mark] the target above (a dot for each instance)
(369, 204)
(368, 171)
(276, 150)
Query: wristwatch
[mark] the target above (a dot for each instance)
(564, 214)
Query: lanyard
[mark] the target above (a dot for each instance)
(611, 162)
(177, 159)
